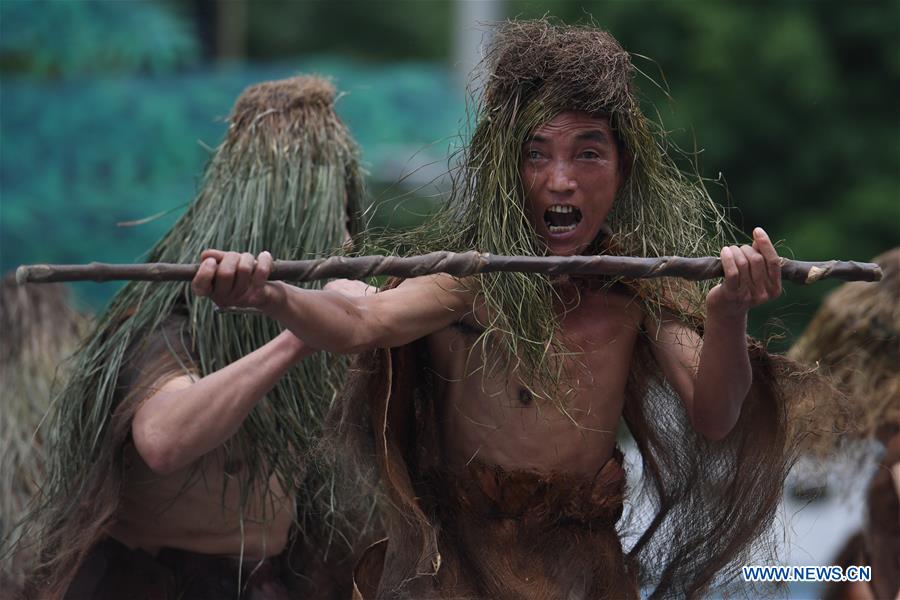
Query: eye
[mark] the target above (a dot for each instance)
(589, 154)
(532, 154)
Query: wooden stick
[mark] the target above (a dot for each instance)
(460, 265)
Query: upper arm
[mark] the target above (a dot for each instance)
(145, 395)
(147, 434)
(414, 309)
(159, 363)
(676, 348)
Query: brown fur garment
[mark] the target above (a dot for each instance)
(525, 535)
(485, 533)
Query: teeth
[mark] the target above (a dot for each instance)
(561, 228)
(560, 208)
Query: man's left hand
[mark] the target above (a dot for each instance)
(752, 276)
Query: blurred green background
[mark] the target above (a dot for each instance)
(108, 111)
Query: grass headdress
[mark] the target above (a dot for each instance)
(286, 180)
(855, 339)
(532, 71)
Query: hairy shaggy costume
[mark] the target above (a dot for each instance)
(40, 330)
(713, 503)
(486, 533)
(854, 338)
(285, 179)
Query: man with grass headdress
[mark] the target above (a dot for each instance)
(491, 404)
(174, 472)
(855, 339)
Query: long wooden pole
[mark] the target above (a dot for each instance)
(458, 264)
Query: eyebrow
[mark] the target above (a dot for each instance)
(595, 135)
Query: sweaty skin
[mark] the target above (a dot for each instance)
(571, 170)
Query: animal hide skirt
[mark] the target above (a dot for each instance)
(517, 534)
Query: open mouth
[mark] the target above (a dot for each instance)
(562, 218)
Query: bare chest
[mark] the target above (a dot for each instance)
(502, 418)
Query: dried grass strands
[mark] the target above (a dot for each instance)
(40, 330)
(855, 339)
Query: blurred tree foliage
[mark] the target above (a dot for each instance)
(54, 39)
(359, 29)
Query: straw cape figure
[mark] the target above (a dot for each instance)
(40, 330)
(171, 473)
(855, 339)
(491, 403)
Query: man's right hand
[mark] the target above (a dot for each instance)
(233, 279)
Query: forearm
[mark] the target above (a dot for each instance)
(331, 321)
(343, 322)
(723, 376)
(185, 420)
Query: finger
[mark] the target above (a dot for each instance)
(745, 281)
(764, 246)
(212, 253)
(202, 284)
(759, 292)
(224, 281)
(264, 264)
(730, 270)
(245, 267)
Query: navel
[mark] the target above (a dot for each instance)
(525, 397)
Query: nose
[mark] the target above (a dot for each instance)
(561, 180)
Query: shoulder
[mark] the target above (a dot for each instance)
(165, 352)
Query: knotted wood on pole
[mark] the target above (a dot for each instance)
(458, 264)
